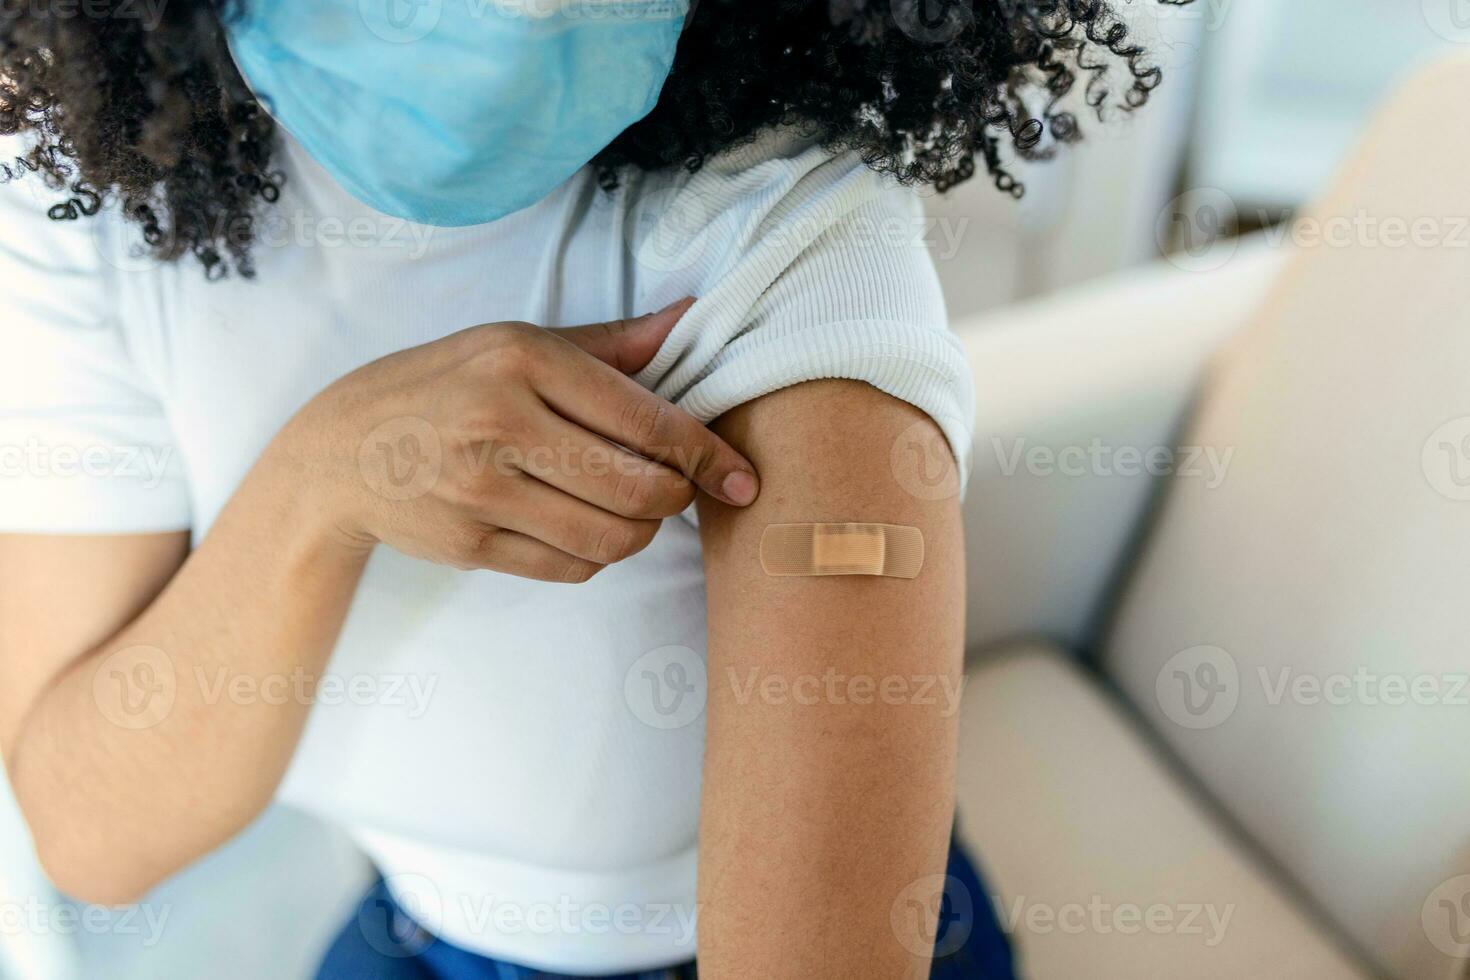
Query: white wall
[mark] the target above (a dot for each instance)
(1094, 209)
(1286, 86)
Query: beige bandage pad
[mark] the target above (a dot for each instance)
(890, 550)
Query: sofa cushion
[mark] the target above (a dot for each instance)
(1105, 865)
(1296, 634)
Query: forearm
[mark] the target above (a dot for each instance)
(236, 635)
(121, 794)
(831, 723)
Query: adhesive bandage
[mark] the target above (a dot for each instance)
(890, 550)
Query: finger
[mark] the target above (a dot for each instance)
(627, 345)
(608, 477)
(521, 555)
(562, 521)
(601, 400)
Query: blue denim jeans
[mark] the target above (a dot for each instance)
(384, 943)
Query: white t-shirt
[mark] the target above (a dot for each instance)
(507, 751)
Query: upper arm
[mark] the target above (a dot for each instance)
(92, 490)
(61, 596)
(824, 453)
(836, 451)
(832, 700)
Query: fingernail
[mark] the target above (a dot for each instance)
(739, 488)
(675, 303)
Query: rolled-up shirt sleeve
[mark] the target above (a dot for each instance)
(85, 445)
(806, 265)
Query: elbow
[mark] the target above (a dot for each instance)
(86, 856)
(83, 877)
(107, 848)
(102, 859)
(90, 888)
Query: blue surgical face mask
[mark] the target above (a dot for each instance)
(456, 112)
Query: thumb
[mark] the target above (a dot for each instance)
(629, 344)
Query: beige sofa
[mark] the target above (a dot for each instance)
(1217, 720)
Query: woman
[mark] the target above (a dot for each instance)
(383, 198)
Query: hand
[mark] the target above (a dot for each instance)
(510, 447)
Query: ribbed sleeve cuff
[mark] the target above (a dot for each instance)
(919, 365)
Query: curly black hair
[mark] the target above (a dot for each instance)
(145, 104)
